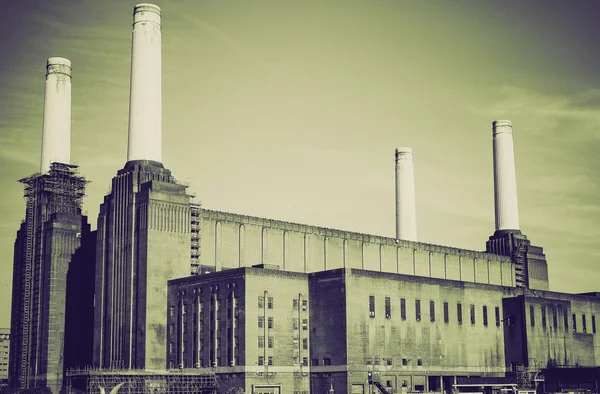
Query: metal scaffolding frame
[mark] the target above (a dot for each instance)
(132, 381)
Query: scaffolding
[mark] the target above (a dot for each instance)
(131, 381)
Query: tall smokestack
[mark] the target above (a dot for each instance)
(505, 179)
(406, 218)
(145, 118)
(56, 132)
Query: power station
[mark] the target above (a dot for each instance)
(167, 296)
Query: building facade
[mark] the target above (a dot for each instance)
(4, 355)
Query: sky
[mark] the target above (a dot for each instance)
(292, 110)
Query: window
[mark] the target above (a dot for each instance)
(295, 304)
(402, 308)
(368, 361)
(305, 361)
(497, 316)
(459, 313)
(532, 315)
(270, 322)
(295, 324)
(304, 304)
(472, 314)
(583, 324)
(377, 361)
(404, 361)
(304, 343)
(171, 329)
(261, 302)
(574, 322)
(446, 316)
(261, 321)
(261, 360)
(372, 306)
(270, 303)
(554, 319)
(170, 347)
(593, 324)
(566, 320)
(418, 310)
(419, 362)
(314, 362)
(431, 311)
(304, 324)
(543, 308)
(270, 343)
(388, 310)
(261, 342)
(388, 361)
(270, 360)
(172, 311)
(485, 320)
(326, 361)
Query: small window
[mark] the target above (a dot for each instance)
(388, 361)
(418, 310)
(372, 306)
(270, 303)
(388, 310)
(377, 361)
(574, 323)
(270, 360)
(543, 308)
(170, 347)
(446, 315)
(485, 317)
(261, 321)
(270, 343)
(404, 362)
(566, 320)
(304, 343)
(431, 311)
(472, 314)
(532, 315)
(295, 324)
(295, 304)
(368, 361)
(459, 313)
(261, 360)
(326, 361)
(593, 324)
(172, 311)
(314, 362)
(419, 361)
(261, 342)
(304, 304)
(583, 324)
(554, 319)
(305, 361)
(304, 324)
(270, 322)
(403, 308)
(497, 316)
(261, 302)
(171, 329)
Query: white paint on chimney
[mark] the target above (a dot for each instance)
(505, 179)
(145, 117)
(56, 132)
(406, 217)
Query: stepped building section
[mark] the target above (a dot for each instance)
(49, 236)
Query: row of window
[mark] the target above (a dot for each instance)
(271, 342)
(432, 314)
(261, 303)
(554, 314)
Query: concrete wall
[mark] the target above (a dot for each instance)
(230, 240)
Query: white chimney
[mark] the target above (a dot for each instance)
(145, 117)
(406, 217)
(505, 179)
(56, 132)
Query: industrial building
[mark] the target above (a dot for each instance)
(261, 305)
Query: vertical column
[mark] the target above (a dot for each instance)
(505, 179)
(145, 117)
(406, 218)
(56, 133)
